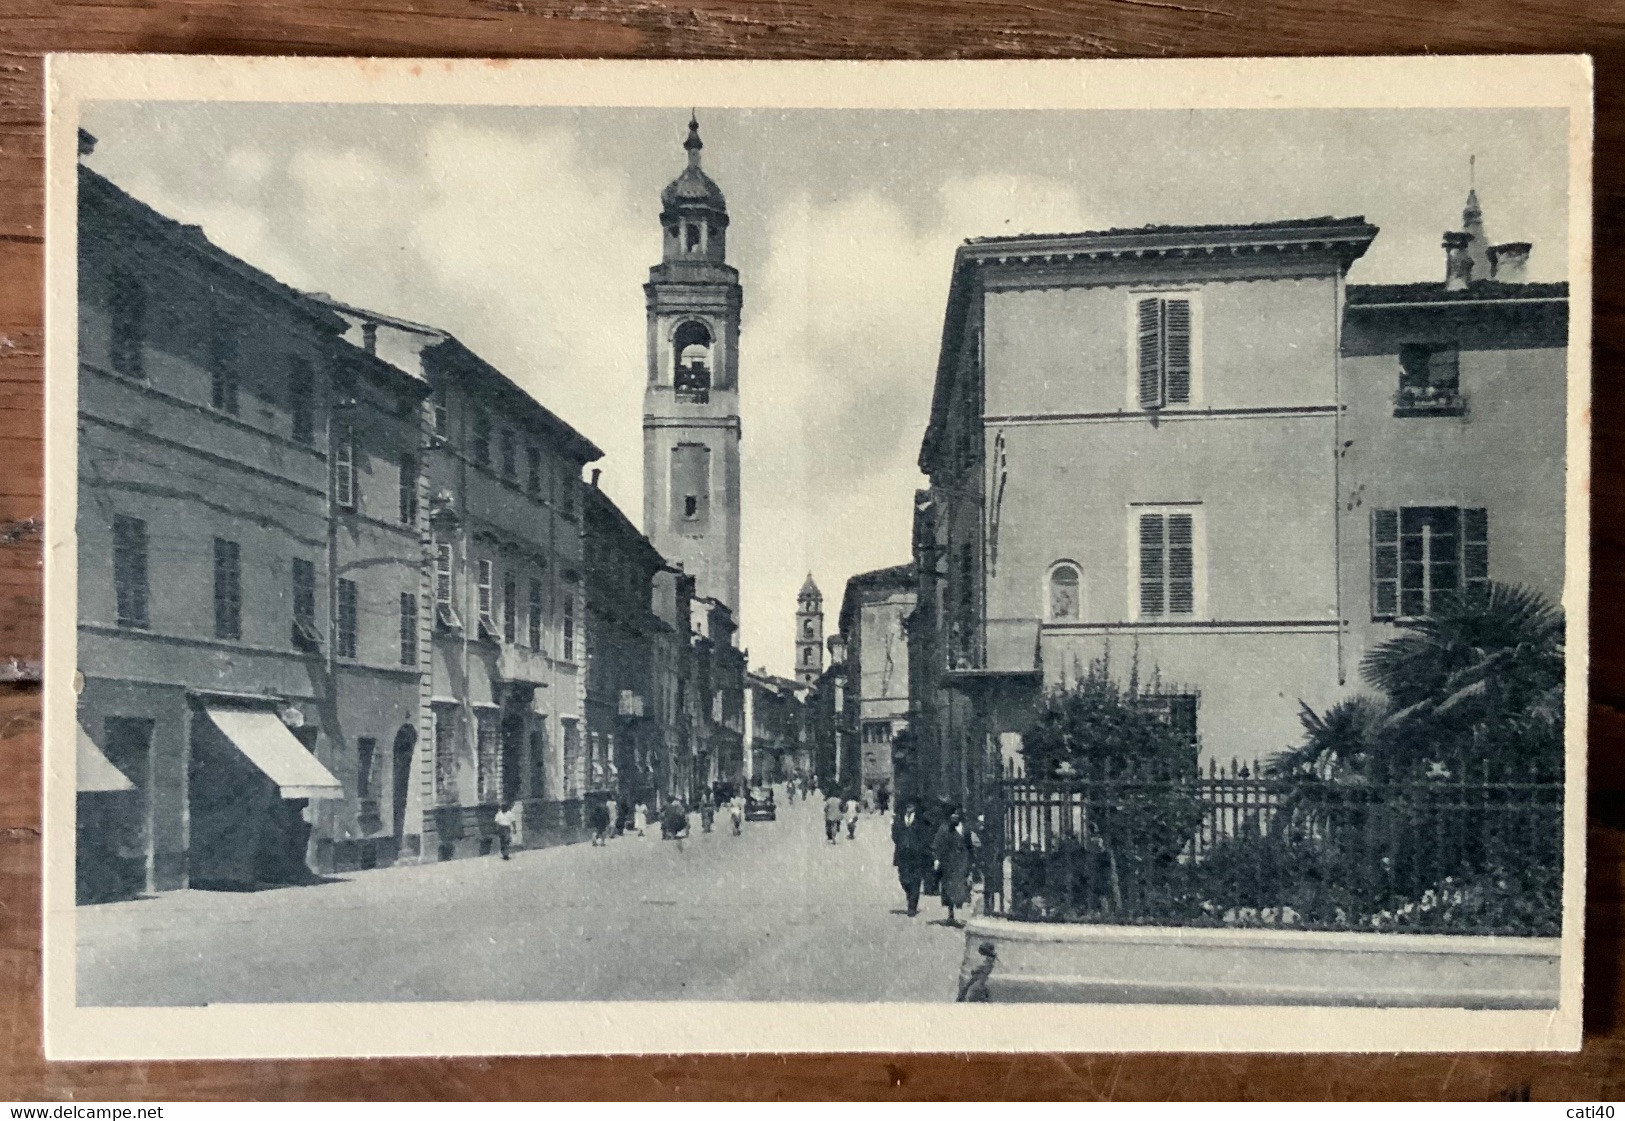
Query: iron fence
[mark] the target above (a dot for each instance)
(1454, 848)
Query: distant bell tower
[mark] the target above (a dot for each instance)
(809, 632)
(691, 425)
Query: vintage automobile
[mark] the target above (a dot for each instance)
(759, 805)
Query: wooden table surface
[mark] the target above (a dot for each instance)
(786, 29)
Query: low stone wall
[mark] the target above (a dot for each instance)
(1079, 963)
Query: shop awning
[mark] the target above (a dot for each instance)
(95, 774)
(267, 744)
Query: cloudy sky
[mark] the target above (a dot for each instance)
(528, 233)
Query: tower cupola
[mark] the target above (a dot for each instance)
(693, 210)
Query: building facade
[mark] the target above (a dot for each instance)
(873, 625)
(204, 460)
(501, 603)
(1197, 454)
(628, 758)
(691, 427)
(1455, 399)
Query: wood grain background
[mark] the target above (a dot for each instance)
(787, 29)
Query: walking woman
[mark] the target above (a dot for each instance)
(955, 852)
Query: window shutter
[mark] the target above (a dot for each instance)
(1177, 350)
(485, 590)
(1181, 566)
(344, 467)
(1150, 353)
(1384, 564)
(1475, 551)
(1151, 565)
(442, 573)
(1444, 369)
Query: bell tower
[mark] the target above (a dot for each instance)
(809, 632)
(691, 427)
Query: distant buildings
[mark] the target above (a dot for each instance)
(781, 733)
(1197, 451)
(809, 632)
(873, 624)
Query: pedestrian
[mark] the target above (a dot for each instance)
(598, 820)
(505, 821)
(623, 814)
(708, 812)
(640, 817)
(883, 798)
(673, 820)
(954, 850)
(736, 812)
(868, 799)
(832, 817)
(849, 813)
(911, 853)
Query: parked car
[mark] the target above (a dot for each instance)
(759, 805)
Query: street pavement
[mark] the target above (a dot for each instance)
(776, 914)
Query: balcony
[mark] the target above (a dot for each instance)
(693, 396)
(521, 663)
(1429, 400)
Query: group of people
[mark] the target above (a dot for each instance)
(937, 859)
(838, 813)
(608, 818)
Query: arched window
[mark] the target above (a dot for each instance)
(1064, 589)
(691, 377)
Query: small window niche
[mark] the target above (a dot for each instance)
(1429, 381)
(691, 487)
(1063, 593)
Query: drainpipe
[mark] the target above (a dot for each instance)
(323, 817)
(1337, 471)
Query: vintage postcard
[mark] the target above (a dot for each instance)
(558, 557)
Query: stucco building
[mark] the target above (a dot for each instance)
(501, 601)
(628, 758)
(1198, 452)
(207, 537)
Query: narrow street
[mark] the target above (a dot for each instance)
(776, 914)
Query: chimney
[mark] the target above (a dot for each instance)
(1509, 263)
(369, 338)
(1458, 266)
(595, 473)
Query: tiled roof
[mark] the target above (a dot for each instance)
(1435, 292)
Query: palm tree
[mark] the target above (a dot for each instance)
(1335, 746)
(1479, 678)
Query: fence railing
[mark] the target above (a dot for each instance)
(1455, 849)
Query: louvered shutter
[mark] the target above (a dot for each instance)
(1152, 600)
(1475, 551)
(1181, 566)
(1176, 345)
(1150, 353)
(1384, 564)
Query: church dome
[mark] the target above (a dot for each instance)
(693, 188)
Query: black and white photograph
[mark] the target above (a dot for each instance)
(573, 557)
